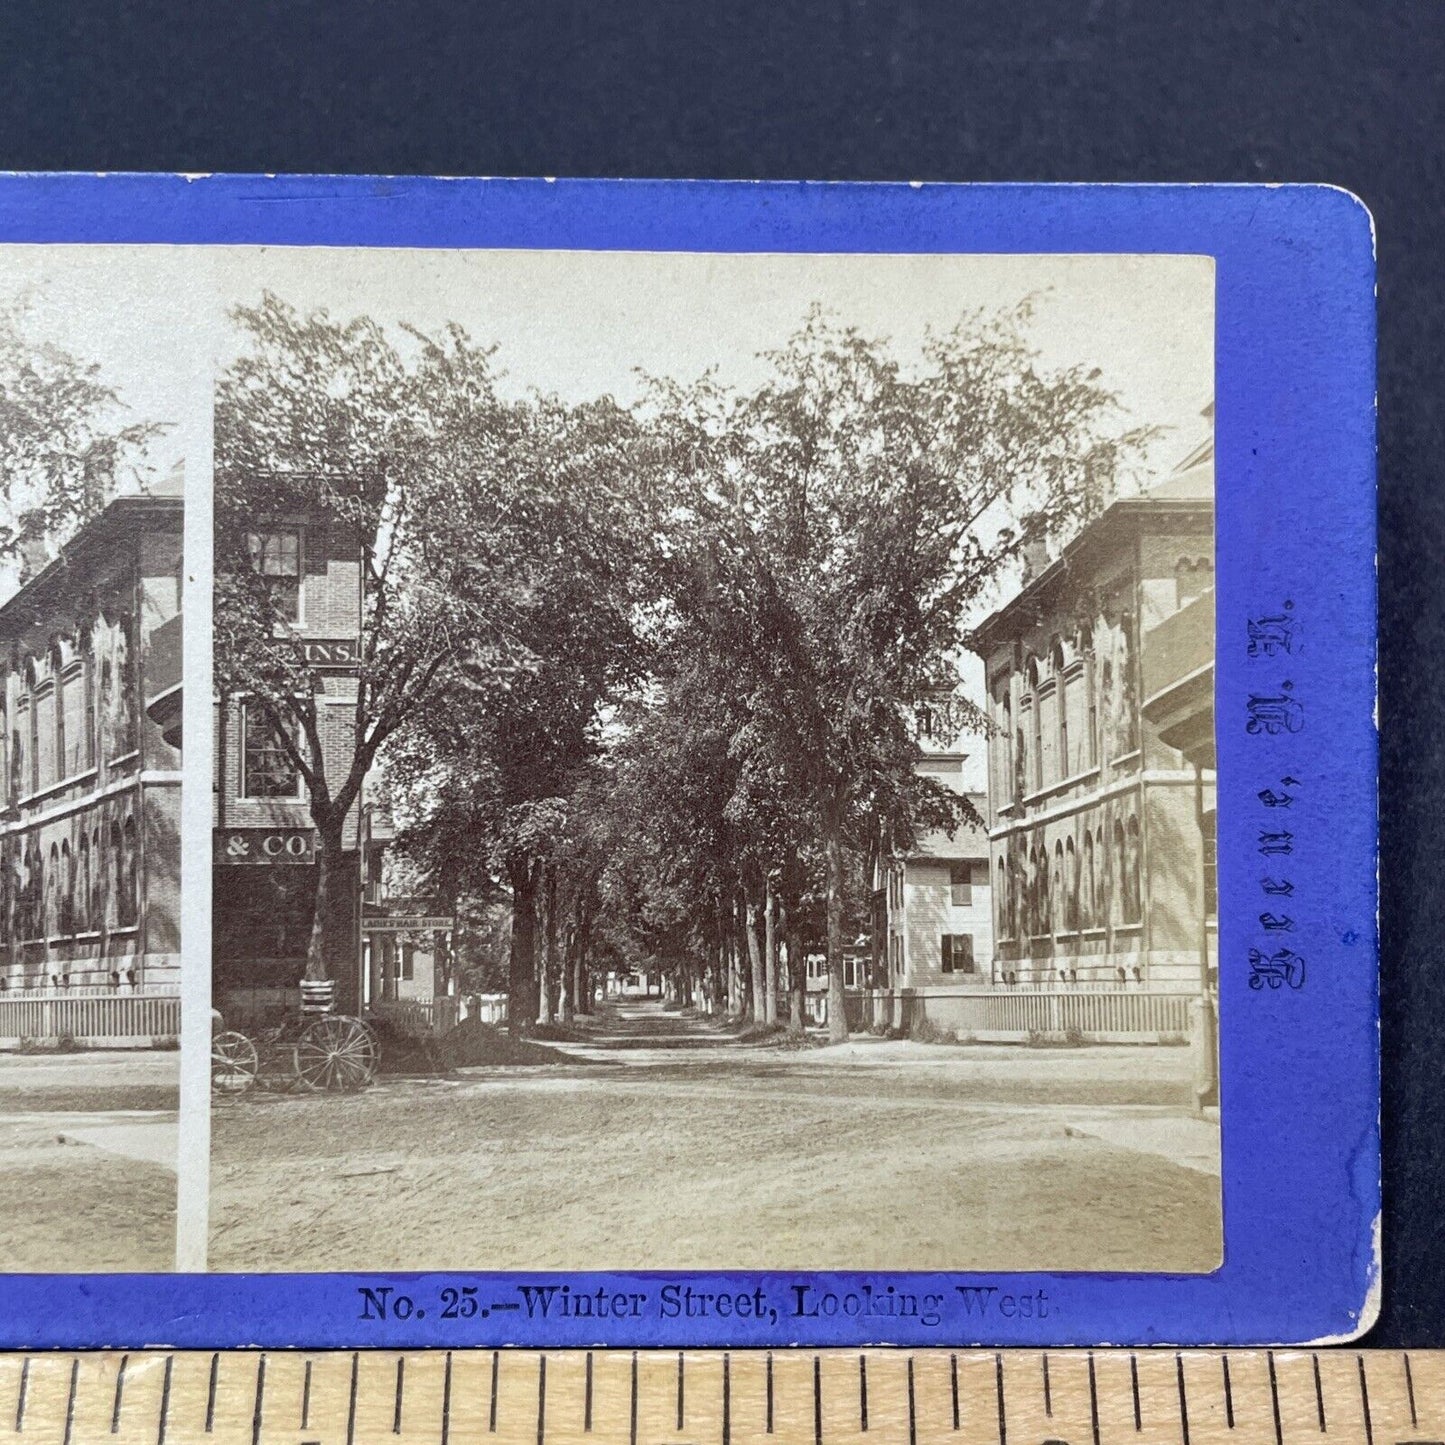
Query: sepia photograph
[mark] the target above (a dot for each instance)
(713, 764)
(93, 463)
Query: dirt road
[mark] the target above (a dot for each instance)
(70, 1206)
(675, 1147)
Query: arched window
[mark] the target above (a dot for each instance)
(1120, 888)
(1002, 910)
(117, 873)
(1030, 716)
(1045, 893)
(1032, 914)
(1062, 761)
(1128, 692)
(82, 891)
(97, 882)
(1019, 888)
(1003, 769)
(1058, 892)
(1089, 746)
(1071, 886)
(7, 897)
(67, 890)
(127, 706)
(52, 894)
(1087, 903)
(1134, 892)
(129, 880)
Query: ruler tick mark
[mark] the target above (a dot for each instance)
(351, 1405)
(1228, 1394)
(953, 1384)
(912, 1407)
(1093, 1399)
(306, 1396)
(727, 1419)
(400, 1386)
(211, 1394)
(1274, 1401)
(1183, 1398)
(633, 1431)
(681, 1396)
(998, 1393)
(863, 1392)
(1410, 1388)
(1134, 1386)
(817, 1400)
(1319, 1393)
(256, 1404)
(1365, 1402)
(119, 1396)
(24, 1390)
(165, 1401)
(770, 1392)
(542, 1398)
(586, 1399)
(492, 1412)
(1048, 1394)
(446, 1399)
(70, 1402)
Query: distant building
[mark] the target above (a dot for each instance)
(405, 939)
(90, 763)
(932, 916)
(264, 838)
(1101, 800)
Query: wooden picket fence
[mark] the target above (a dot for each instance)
(89, 1018)
(1019, 1014)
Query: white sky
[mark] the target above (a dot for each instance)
(583, 324)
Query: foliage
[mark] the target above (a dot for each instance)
(64, 440)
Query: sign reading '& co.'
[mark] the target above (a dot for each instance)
(265, 845)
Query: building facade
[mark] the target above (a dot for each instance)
(932, 914)
(264, 852)
(90, 781)
(1100, 827)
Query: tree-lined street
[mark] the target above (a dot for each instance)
(858, 1156)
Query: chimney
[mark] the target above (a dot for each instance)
(1036, 558)
(34, 557)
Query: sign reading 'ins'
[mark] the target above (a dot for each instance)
(265, 845)
(331, 651)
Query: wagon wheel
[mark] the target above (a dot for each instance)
(336, 1053)
(233, 1063)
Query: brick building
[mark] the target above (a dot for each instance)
(90, 780)
(264, 836)
(1101, 828)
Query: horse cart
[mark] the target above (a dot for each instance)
(313, 1050)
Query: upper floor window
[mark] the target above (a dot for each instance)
(960, 884)
(276, 556)
(267, 768)
(45, 738)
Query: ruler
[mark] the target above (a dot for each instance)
(713, 1397)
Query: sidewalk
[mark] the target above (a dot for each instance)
(1182, 1139)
